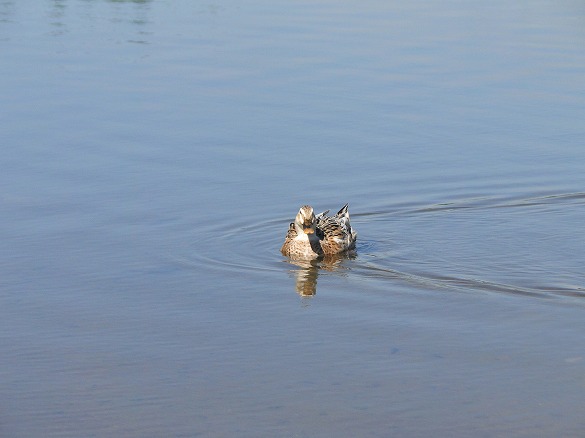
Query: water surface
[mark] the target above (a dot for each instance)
(154, 153)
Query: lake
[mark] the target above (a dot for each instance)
(154, 153)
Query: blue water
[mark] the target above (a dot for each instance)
(154, 153)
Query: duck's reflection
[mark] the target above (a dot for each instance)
(308, 271)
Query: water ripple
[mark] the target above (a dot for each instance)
(239, 247)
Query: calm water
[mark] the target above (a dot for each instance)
(154, 152)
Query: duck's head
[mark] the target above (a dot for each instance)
(305, 221)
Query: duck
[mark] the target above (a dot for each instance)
(311, 236)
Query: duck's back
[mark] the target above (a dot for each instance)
(335, 232)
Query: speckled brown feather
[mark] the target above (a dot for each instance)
(335, 232)
(292, 232)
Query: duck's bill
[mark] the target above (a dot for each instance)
(308, 230)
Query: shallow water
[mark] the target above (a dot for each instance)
(154, 153)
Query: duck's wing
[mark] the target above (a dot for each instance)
(342, 217)
(291, 233)
(344, 211)
(335, 232)
(290, 236)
